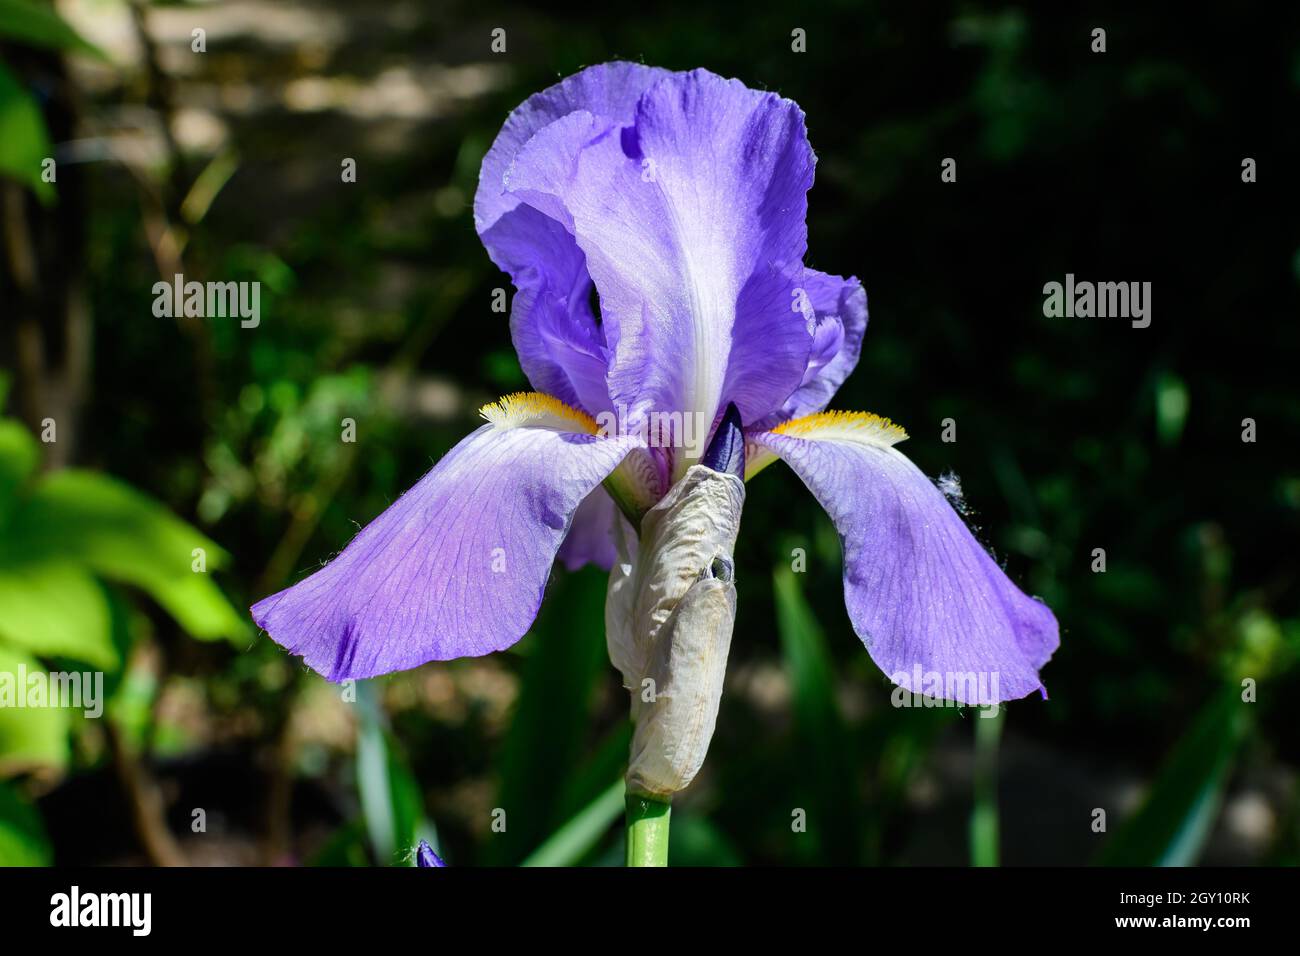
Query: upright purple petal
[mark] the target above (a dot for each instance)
(840, 309)
(693, 227)
(456, 567)
(931, 606)
(561, 344)
(609, 90)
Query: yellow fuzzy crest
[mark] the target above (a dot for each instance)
(536, 410)
(844, 426)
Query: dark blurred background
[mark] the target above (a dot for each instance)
(1072, 434)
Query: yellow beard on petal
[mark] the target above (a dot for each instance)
(535, 410)
(844, 426)
(854, 427)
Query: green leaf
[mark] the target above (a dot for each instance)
(984, 828)
(588, 780)
(575, 839)
(22, 835)
(346, 847)
(1175, 819)
(56, 609)
(18, 458)
(1171, 407)
(38, 25)
(30, 737)
(566, 655)
(391, 802)
(819, 729)
(696, 841)
(24, 142)
(124, 536)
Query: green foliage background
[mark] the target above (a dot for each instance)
(1071, 435)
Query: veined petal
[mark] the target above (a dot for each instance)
(456, 567)
(561, 345)
(591, 535)
(931, 606)
(693, 226)
(609, 90)
(560, 342)
(840, 312)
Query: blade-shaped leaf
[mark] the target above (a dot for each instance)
(391, 802)
(566, 654)
(819, 728)
(575, 839)
(1175, 819)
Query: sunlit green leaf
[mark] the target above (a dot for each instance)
(575, 839)
(391, 803)
(124, 536)
(56, 608)
(24, 142)
(36, 24)
(30, 737)
(18, 458)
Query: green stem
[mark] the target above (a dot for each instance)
(984, 815)
(647, 831)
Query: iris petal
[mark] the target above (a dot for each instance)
(609, 90)
(923, 595)
(456, 567)
(591, 536)
(695, 240)
(839, 308)
(561, 345)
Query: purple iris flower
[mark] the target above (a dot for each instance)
(681, 200)
(425, 857)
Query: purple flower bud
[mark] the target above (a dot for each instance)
(726, 453)
(424, 856)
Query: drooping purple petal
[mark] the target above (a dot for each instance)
(456, 567)
(693, 228)
(591, 535)
(931, 606)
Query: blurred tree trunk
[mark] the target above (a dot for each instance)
(44, 265)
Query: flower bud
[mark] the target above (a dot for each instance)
(669, 614)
